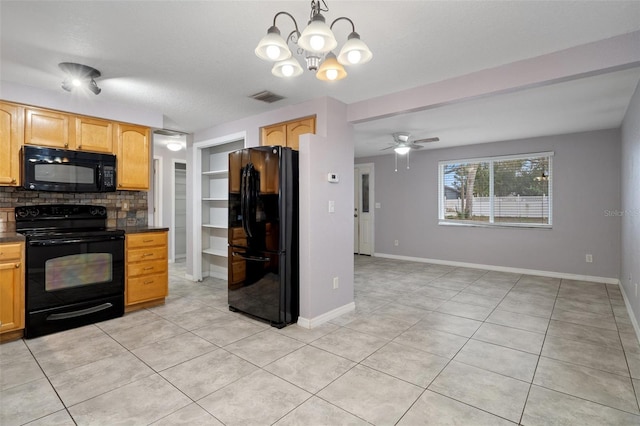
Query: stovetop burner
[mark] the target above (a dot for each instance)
(63, 220)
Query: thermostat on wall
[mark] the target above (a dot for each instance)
(333, 178)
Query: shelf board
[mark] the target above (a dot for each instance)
(216, 173)
(216, 199)
(210, 225)
(214, 252)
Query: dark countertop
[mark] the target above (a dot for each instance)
(142, 229)
(11, 237)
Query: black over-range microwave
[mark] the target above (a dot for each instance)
(61, 170)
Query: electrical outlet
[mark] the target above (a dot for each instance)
(396, 243)
(125, 206)
(335, 283)
(589, 258)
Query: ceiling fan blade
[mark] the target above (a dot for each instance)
(389, 147)
(414, 146)
(436, 139)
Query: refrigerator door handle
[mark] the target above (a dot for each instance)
(244, 200)
(252, 258)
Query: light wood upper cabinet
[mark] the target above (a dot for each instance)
(46, 128)
(133, 157)
(288, 133)
(297, 128)
(11, 137)
(11, 287)
(274, 135)
(92, 134)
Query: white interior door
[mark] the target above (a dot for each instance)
(356, 209)
(363, 214)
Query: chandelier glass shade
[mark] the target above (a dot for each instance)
(315, 43)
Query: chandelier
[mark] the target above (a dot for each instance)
(315, 44)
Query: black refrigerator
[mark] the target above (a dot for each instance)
(263, 269)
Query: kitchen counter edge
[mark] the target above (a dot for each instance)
(11, 237)
(142, 229)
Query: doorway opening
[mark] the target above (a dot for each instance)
(179, 213)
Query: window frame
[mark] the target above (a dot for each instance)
(442, 220)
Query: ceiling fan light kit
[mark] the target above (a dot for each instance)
(315, 44)
(78, 75)
(402, 145)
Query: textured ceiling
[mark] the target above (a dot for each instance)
(193, 61)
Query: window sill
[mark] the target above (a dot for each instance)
(495, 225)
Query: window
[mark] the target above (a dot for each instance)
(504, 191)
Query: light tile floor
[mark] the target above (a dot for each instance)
(427, 344)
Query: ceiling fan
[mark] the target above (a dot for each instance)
(403, 142)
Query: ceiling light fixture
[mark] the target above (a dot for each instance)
(315, 44)
(402, 150)
(174, 146)
(79, 75)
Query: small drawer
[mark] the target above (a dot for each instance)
(145, 288)
(147, 268)
(151, 253)
(10, 251)
(146, 239)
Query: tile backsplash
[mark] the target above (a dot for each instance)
(124, 208)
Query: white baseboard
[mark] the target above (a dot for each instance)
(551, 274)
(634, 322)
(327, 316)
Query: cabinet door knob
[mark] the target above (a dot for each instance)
(79, 146)
(18, 265)
(13, 181)
(66, 145)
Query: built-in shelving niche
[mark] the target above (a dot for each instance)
(212, 196)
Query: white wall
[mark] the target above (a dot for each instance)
(326, 241)
(630, 207)
(70, 102)
(586, 184)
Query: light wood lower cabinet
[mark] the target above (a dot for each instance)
(147, 277)
(11, 290)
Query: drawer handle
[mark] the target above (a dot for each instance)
(147, 254)
(147, 241)
(149, 282)
(148, 269)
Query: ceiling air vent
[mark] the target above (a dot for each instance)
(266, 96)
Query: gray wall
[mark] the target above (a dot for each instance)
(630, 270)
(586, 183)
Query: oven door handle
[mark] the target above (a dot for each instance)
(79, 313)
(59, 242)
